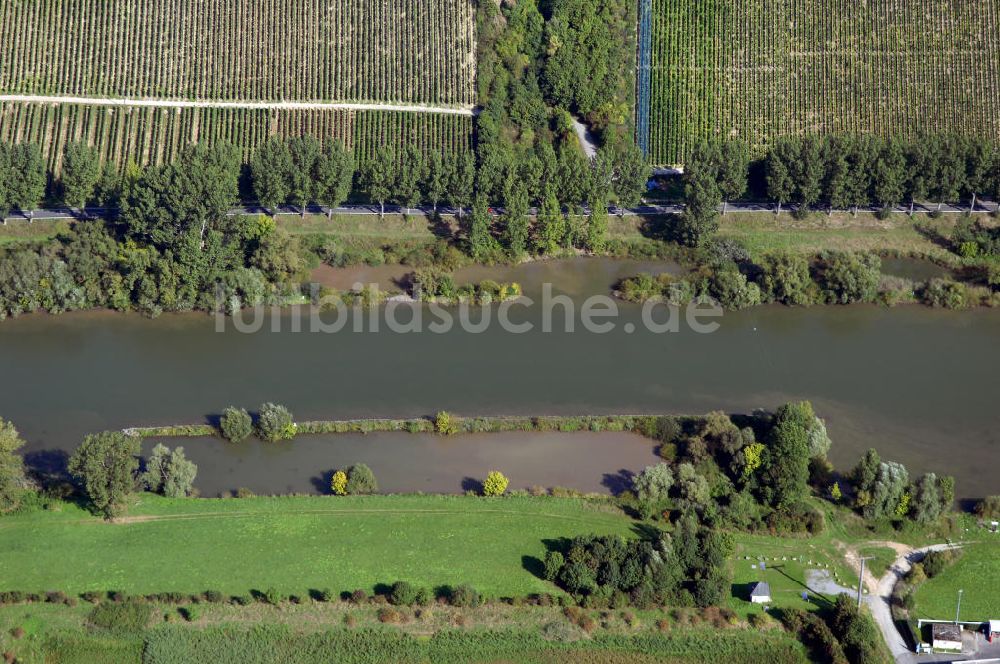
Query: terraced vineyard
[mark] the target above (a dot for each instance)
(755, 69)
(302, 50)
(148, 135)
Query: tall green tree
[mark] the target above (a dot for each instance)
(631, 173)
(169, 472)
(12, 478)
(482, 245)
(863, 155)
(890, 175)
(597, 223)
(734, 172)
(786, 466)
(551, 230)
(409, 177)
(836, 182)
(808, 171)
(778, 171)
(378, 176)
(304, 152)
(923, 156)
(979, 158)
(190, 196)
(333, 176)
(702, 196)
(462, 182)
(436, 177)
(26, 186)
(516, 225)
(950, 179)
(81, 171)
(6, 176)
(106, 464)
(270, 173)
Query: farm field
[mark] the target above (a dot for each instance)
(756, 69)
(297, 543)
(149, 135)
(302, 50)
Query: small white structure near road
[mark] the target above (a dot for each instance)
(761, 593)
(946, 636)
(992, 630)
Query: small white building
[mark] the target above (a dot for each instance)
(992, 630)
(760, 593)
(946, 636)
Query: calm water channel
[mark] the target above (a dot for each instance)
(918, 384)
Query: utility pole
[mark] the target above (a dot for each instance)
(861, 578)
(959, 606)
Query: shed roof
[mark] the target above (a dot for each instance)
(946, 632)
(761, 589)
(994, 626)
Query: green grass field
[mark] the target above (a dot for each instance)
(17, 231)
(977, 574)
(761, 233)
(296, 543)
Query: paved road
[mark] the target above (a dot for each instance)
(279, 105)
(586, 139)
(879, 601)
(373, 210)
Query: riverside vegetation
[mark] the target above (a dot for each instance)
(669, 541)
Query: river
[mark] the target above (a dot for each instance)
(916, 383)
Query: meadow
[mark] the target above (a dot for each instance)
(295, 544)
(976, 573)
(756, 69)
(302, 50)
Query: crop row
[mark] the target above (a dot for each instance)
(757, 69)
(148, 135)
(302, 50)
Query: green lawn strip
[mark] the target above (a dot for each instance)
(393, 226)
(976, 573)
(17, 231)
(762, 233)
(880, 558)
(296, 543)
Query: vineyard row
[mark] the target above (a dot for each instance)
(146, 135)
(757, 69)
(293, 50)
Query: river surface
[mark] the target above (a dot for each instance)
(916, 383)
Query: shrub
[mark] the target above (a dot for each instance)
(495, 484)
(553, 563)
(945, 293)
(338, 483)
(389, 616)
(464, 596)
(91, 596)
(190, 613)
(445, 424)
(272, 596)
(988, 507)
(213, 596)
(361, 480)
(235, 424)
(242, 600)
(244, 492)
(275, 423)
(423, 597)
(936, 562)
(849, 277)
(325, 595)
(402, 594)
(121, 617)
(359, 596)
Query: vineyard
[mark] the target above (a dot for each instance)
(148, 135)
(756, 69)
(302, 50)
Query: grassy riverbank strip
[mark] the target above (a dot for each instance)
(297, 543)
(644, 424)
